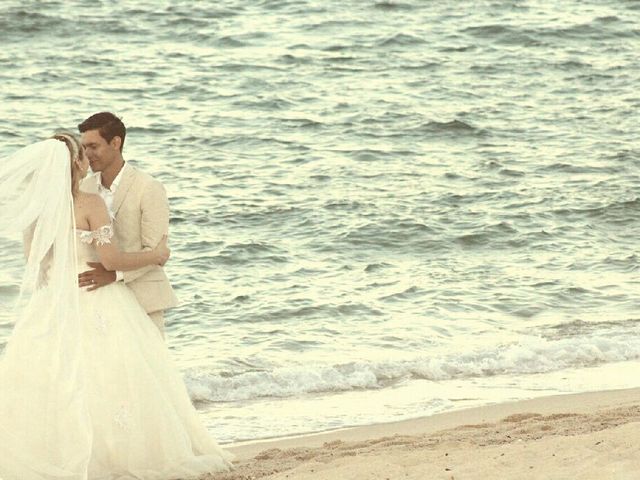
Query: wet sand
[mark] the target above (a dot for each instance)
(584, 436)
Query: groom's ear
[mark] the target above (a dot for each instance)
(116, 142)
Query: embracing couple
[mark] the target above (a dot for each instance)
(88, 389)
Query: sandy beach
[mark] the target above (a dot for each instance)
(583, 436)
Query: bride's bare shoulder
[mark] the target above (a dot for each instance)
(89, 209)
(89, 201)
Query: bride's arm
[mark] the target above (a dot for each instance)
(27, 238)
(106, 246)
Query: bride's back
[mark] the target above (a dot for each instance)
(82, 209)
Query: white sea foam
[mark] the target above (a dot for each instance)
(530, 355)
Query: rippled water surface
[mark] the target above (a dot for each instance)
(379, 209)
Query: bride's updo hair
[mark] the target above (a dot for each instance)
(76, 154)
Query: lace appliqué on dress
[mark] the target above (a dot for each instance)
(123, 418)
(102, 236)
(101, 323)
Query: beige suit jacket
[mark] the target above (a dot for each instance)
(141, 211)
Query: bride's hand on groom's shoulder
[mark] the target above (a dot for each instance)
(163, 251)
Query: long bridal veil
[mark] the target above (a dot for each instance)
(49, 419)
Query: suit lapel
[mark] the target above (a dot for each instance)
(128, 176)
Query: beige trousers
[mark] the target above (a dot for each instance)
(158, 320)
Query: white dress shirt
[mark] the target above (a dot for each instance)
(107, 195)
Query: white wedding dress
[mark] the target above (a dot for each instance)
(105, 402)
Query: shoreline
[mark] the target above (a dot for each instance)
(569, 425)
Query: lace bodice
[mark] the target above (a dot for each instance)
(86, 241)
(101, 236)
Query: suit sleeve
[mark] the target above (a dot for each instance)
(154, 223)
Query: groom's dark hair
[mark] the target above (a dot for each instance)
(107, 124)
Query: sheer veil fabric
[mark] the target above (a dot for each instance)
(59, 379)
(36, 200)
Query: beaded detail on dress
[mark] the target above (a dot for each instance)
(123, 418)
(102, 235)
(101, 323)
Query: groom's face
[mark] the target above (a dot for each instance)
(101, 154)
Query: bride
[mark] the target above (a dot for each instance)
(88, 390)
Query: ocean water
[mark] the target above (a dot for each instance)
(380, 210)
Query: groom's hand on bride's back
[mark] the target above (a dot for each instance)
(97, 277)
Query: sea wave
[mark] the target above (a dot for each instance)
(531, 355)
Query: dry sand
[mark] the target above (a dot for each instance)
(584, 436)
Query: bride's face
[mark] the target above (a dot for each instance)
(83, 163)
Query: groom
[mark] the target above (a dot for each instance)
(139, 210)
